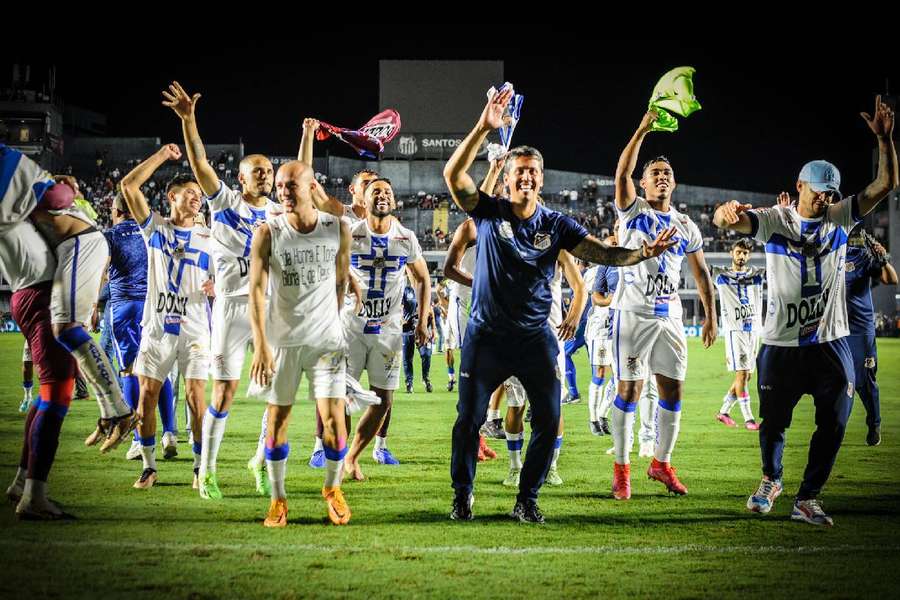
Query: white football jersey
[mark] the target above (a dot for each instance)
(378, 262)
(350, 216)
(22, 185)
(25, 258)
(589, 275)
(233, 223)
(178, 264)
(650, 287)
(805, 273)
(303, 310)
(740, 298)
(467, 266)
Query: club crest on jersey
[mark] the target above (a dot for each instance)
(633, 365)
(850, 267)
(542, 240)
(178, 252)
(869, 362)
(506, 230)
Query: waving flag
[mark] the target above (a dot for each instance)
(674, 94)
(368, 140)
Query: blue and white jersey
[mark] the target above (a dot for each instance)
(25, 258)
(650, 287)
(127, 262)
(22, 185)
(515, 261)
(805, 273)
(740, 298)
(378, 262)
(178, 264)
(606, 280)
(233, 224)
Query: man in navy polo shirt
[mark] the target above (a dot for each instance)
(507, 334)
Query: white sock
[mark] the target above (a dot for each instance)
(260, 457)
(276, 465)
(593, 400)
(607, 396)
(29, 390)
(19, 479)
(557, 447)
(727, 403)
(493, 415)
(148, 452)
(622, 423)
(744, 402)
(99, 373)
(318, 446)
(668, 422)
(514, 443)
(334, 470)
(380, 442)
(647, 407)
(213, 432)
(276, 470)
(35, 489)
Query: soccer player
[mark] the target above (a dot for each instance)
(235, 216)
(572, 346)
(175, 325)
(740, 316)
(507, 335)
(303, 255)
(127, 274)
(868, 263)
(27, 378)
(804, 342)
(600, 346)
(28, 265)
(412, 323)
(381, 254)
(80, 250)
(648, 335)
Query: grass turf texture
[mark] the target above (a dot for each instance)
(400, 542)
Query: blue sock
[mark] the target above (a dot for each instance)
(451, 372)
(597, 380)
(571, 380)
(167, 407)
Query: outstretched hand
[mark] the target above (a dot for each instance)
(492, 116)
(882, 121)
(662, 243)
(180, 101)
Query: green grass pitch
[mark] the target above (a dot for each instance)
(168, 543)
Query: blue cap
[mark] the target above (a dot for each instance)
(822, 176)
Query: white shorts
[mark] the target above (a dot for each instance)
(26, 353)
(515, 393)
(643, 345)
(740, 350)
(379, 355)
(80, 263)
(158, 355)
(230, 336)
(324, 371)
(600, 352)
(457, 320)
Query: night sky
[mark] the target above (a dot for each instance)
(768, 106)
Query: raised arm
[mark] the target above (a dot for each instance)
(131, 183)
(733, 215)
(421, 280)
(567, 328)
(459, 182)
(263, 365)
(184, 105)
(342, 264)
(490, 180)
(887, 179)
(592, 250)
(305, 153)
(464, 235)
(625, 192)
(705, 287)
